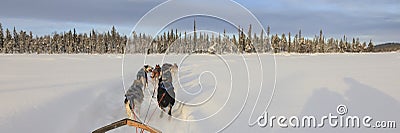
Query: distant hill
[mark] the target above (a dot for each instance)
(387, 47)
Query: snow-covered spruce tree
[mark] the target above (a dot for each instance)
(1, 38)
(8, 42)
(321, 43)
(364, 47)
(295, 43)
(21, 42)
(30, 42)
(289, 43)
(269, 46)
(370, 46)
(15, 45)
(283, 43)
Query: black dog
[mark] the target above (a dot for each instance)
(165, 95)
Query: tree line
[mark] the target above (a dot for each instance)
(176, 42)
(22, 42)
(111, 42)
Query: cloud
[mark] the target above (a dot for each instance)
(113, 12)
(44, 27)
(366, 18)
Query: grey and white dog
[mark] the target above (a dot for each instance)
(168, 71)
(174, 70)
(134, 98)
(142, 74)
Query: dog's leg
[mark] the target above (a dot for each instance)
(170, 112)
(154, 87)
(144, 85)
(147, 83)
(153, 81)
(144, 82)
(128, 110)
(170, 108)
(162, 112)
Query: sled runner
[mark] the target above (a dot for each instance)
(128, 122)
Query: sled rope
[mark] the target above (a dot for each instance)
(162, 97)
(147, 112)
(154, 88)
(134, 118)
(148, 108)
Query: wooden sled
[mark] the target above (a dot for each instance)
(128, 122)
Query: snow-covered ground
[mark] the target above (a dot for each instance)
(80, 93)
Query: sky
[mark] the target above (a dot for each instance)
(378, 20)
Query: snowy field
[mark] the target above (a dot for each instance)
(80, 93)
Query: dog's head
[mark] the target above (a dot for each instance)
(148, 68)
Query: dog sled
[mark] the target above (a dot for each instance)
(128, 122)
(134, 95)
